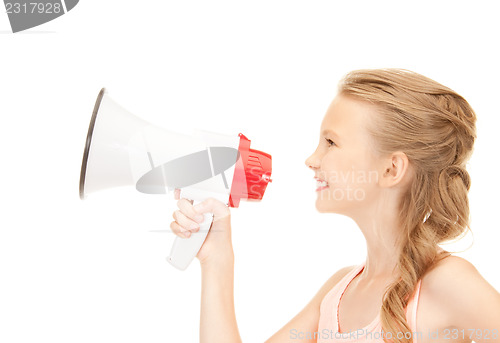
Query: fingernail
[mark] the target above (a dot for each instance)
(200, 218)
(187, 234)
(194, 226)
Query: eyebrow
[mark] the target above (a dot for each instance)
(324, 132)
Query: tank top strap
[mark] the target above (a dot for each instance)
(342, 287)
(329, 304)
(411, 311)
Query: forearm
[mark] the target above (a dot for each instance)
(218, 318)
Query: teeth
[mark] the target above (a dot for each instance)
(321, 183)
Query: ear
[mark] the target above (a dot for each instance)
(396, 170)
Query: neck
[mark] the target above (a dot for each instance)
(381, 230)
(382, 255)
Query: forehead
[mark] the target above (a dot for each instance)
(347, 117)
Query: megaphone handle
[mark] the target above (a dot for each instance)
(184, 250)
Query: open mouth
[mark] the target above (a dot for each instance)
(320, 185)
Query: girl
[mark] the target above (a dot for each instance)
(407, 139)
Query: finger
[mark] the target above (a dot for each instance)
(184, 222)
(177, 229)
(187, 208)
(211, 205)
(177, 195)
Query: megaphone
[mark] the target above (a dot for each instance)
(123, 150)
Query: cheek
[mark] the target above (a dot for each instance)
(338, 170)
(351, 176)
(348, 168)
(351, 179)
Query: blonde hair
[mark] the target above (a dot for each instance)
(435, 128)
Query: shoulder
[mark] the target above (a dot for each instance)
(460, 293)
(339, 275)
(331, 282)
(448, 270)
(307, 320)
(453, 274)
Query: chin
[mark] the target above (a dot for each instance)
(325, 206)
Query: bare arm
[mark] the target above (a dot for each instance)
(217, 316)
(480, 305)
(472, 304)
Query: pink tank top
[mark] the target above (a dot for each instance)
(328, 327)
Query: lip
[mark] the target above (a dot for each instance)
(321, 188)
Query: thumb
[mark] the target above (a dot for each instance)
(211, 205)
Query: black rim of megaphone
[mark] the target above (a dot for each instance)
(88, 142)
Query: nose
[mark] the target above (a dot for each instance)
(313, 161)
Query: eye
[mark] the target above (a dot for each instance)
(330, 142)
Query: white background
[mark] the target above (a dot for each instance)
(92, 271)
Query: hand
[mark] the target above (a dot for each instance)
(217, 246)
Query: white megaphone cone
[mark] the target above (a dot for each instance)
(124, 150)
